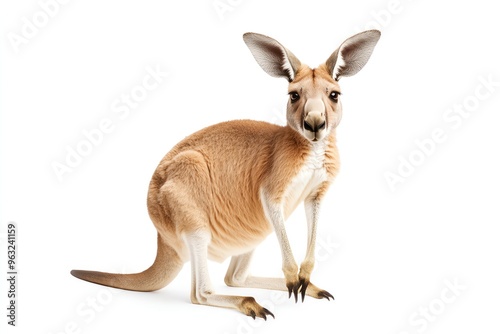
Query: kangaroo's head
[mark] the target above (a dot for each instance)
(314, 107)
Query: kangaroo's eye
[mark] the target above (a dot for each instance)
(294, 96)
(334, 96)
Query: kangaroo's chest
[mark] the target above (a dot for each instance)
(310, 176)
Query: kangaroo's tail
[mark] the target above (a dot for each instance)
(165, 268)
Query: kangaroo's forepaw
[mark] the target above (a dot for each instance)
(251, 308)
(304, 283)
(300, 286)
(293, 287)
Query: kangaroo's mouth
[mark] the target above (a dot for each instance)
(314, 136)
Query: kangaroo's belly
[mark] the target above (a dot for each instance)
(237, 224)
(237, 238)
(243, 231)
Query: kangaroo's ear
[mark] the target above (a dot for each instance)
(353, 54)
(273, 57)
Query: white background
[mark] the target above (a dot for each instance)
(386, 254)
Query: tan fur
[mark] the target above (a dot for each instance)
(231, 209)
(222, 190)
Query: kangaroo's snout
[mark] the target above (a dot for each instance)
(314, 119)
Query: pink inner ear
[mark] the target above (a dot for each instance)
(353, 54)
(271, 56)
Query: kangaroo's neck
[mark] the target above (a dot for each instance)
(315, 154)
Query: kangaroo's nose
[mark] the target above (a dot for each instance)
(314, 127)
(314, 121)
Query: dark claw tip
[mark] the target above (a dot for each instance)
(326, 294)
(303, 288)
(270, 313)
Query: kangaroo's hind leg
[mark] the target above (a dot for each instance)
(185, 195)
(203, 292)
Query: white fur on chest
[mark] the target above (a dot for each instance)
(310, 176)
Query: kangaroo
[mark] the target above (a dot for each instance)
(222, 190)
